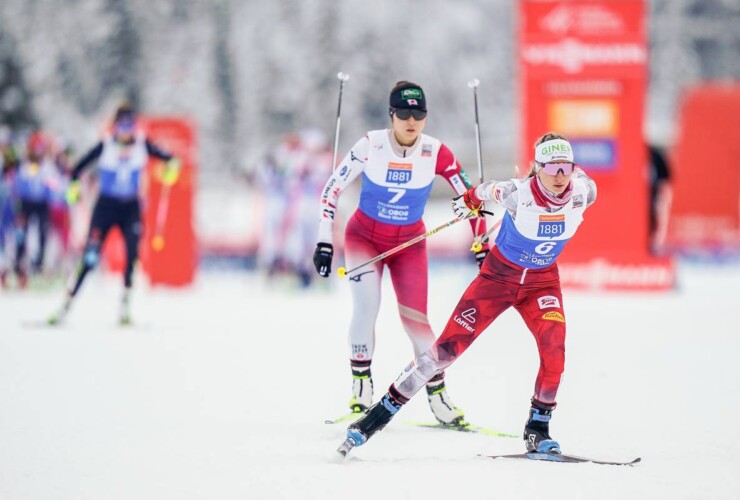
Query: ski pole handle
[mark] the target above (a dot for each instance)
(478, 243)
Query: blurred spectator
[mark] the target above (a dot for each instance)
(661, 195)
(33, 187)
(9, 157)
(271, 179)
(290, 180)
(6, 219)
(310, 169)
(58, 207)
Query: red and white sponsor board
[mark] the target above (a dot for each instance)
(583, 66)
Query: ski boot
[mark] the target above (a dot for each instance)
(22, 277)
(362, 387)
(305, 278)
(57, 317)
(37, 266)
(537, 429)
(374, 420)
(443, 408)
(124, 318)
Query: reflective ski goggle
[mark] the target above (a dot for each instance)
(405, 114)
(125, 125)
(554, 168)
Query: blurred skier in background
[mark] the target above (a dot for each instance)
(307, 174)
(543, 211)
(9, 155)
(58, 207)
(120, 157)
(33, 186)
(397, 167)
(7, 171)
(272, 179)
(661, 197)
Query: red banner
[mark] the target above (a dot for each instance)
(705, 213)
(173, 259)
(583, 67)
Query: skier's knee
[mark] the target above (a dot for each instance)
(91, 257)
(20, 235)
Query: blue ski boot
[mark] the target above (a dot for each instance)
(374, 420)
(537, 429)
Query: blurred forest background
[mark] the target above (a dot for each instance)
(246, 72)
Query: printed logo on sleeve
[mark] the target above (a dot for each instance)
(553, 316)
(551, 226)
(328, 187)
(398, 173)
(465, 179)
(548, 301)
(498, 195)
(457, 183)
(356, 158)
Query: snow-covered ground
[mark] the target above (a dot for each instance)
(221, 392)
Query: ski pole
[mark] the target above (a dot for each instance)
(343, 77)
(473, 84)
(161, 218)
(342, 272)
(485, 237)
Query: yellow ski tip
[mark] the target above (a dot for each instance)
(158, 243)
(477, 247)
(341, 272)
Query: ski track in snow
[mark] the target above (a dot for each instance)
(222, 391)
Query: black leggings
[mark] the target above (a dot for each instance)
(109, 212)
(38, 210)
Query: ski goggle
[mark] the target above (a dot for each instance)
(554, 168)
(125, 125)
(405, 114)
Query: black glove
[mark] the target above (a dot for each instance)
(481, 256)
(322, 258)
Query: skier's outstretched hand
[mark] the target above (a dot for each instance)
(73, 192)
(466, 204)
